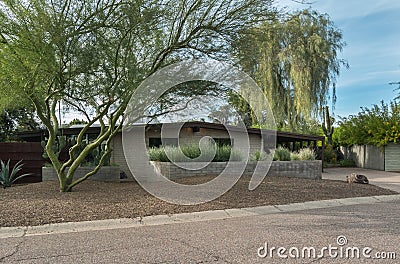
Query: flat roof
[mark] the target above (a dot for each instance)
(282, 135)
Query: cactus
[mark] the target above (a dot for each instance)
(327, 125)
(94, 157)
(56, 148)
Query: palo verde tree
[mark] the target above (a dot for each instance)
(295, 60)
(91, 56)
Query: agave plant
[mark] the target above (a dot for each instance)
(7, 178)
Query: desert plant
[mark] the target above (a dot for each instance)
(258, 156)
(307, 154)
(192, 151)
(56, 148)
(7, 178)
(282, 154)
(157, 154)
(327, 125)
(294, 156)
(226, 153)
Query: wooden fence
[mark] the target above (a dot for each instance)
(30, 153)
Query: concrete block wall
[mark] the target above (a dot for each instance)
(366, 156)
(297, 169)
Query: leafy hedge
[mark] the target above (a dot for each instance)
(377, 126)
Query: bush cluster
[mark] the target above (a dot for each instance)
(193, 152)
(284, 154)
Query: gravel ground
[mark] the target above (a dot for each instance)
(42, 203)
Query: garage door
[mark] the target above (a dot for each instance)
(392, 157)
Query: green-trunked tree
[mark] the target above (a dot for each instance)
(91, 55)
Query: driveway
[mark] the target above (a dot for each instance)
(384, 179)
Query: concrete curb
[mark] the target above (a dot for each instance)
(72, 227)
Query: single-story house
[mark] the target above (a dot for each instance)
(189, 132)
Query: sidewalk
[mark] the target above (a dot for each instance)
(384, 179)
(380, 178)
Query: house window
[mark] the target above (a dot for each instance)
(156, 142)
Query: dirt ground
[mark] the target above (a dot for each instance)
(42, 203)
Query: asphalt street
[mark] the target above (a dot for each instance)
(371, 227)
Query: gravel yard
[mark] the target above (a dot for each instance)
(42, 203)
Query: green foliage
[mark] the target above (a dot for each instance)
(327, 125)
(192, 151)
(56, 148)
(347, 163)
(157, 154)
(294, 59)
(329, 154)
(282, 154)
(94, 157)
(307, 154)
(294, 156)
(77, 121)
(17, 119)
(377, 126)
(7, 177)
(92, 55)
(225, 153)
(259, 156)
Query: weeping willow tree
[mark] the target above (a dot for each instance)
(295, 60)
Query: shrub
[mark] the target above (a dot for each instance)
(307, 154)
(259, 156)
(282, 154)
(157, 154)
(347, 163)
(329, 154)
(226, 153)
(294, 156)
(192, 151)
(7, 178)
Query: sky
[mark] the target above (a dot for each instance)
(371, 29)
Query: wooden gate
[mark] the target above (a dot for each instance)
(31, 155)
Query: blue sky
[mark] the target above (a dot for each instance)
(371, 29)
